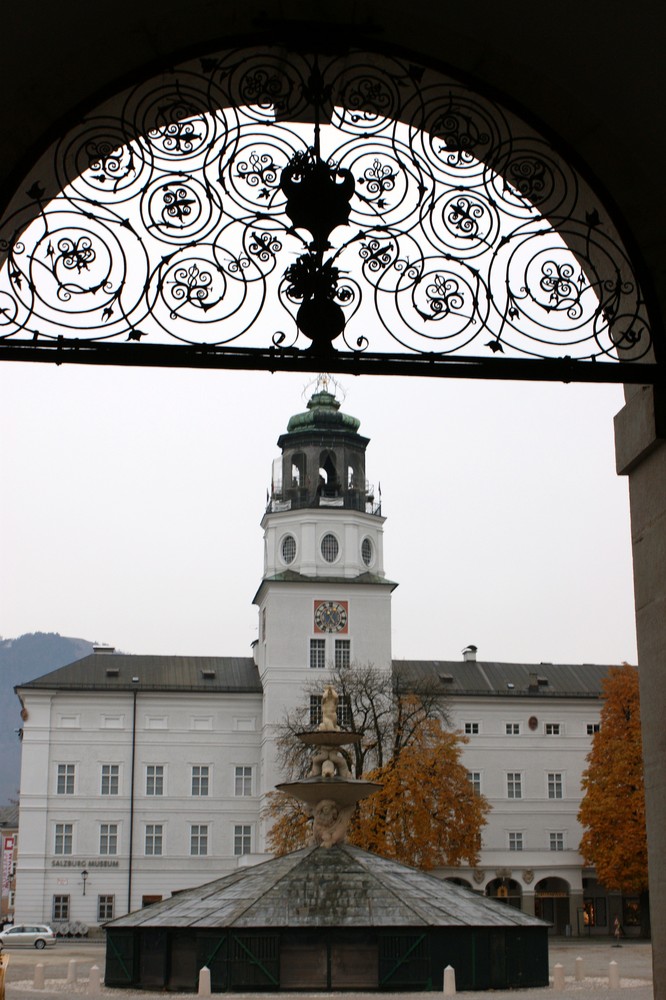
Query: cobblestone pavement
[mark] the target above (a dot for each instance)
(634, 959)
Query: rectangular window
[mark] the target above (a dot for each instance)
(555, 785)
(317, 654)
(155, 779)
(198, 839)
(105, 907)
(471, 728)
(108, 838)
(263, 624)
(515, 841)
(315, 709)
(344, 713)
(242, 840)
(110, 779)
(154, 834)
(557, 841)
(66, 773)
(243, 781)
(552, 729)
(512, 728)
(60, 908)
(200, 779)
(474, 778)
(592, 728)
(342, 653)
(514, 785)
(63, 838)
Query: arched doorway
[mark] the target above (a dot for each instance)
(506, 890)
(551, 903)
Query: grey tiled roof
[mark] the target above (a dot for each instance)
(458, 677)
(316, 887)
(9, 816)
(115, 672)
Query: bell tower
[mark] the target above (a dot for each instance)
(324, 599)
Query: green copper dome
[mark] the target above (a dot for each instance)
(323, 414)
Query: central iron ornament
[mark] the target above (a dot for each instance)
(318, 199)
(190, 209)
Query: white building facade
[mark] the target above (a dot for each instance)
(142, 776)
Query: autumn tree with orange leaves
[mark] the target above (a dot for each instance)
(612, 811)
(426, 813)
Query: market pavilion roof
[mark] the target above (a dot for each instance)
(334, 887)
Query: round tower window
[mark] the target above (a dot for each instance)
(366, 551)
(330, 548)
(288, 548)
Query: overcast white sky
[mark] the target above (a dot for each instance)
(131, 501)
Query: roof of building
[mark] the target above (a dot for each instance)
(320, 887)
(117, 672)
(513, 680)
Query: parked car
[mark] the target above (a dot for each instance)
(27, 936)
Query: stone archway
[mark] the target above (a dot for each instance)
(523, 64)
(551, 903)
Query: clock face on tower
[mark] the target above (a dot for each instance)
(330, 616)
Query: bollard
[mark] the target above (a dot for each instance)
(579, 969)
(93, 981)
(558, 977)
(204, 982)
(614, 976)
(449, 981)
(71, 971)
(38, 982)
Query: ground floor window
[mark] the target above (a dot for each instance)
(105, 907)
(60, 908)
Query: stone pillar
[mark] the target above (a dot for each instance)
(640, 447)
(575, 908)
(528, 903)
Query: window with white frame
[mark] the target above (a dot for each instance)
(110, 779)
(198, 839)
(242, 840)
(512, 728)
(317, 654)
(65, 782)
(315, 709)
(243, 780)
(553, 729)
(555, 785)
(474, 778)
(108, 838)
(60, 907)
(514, 785)
(155, 779)
(154, 839)
(557, 841)
(105, 907)
(516, 841)
(592, 728)
(342, 653)
(344, 713)
(64, 833)
(471, 728)
(200, 775)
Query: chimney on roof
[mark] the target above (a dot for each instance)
(469, 654)
(533, 684)
(103, 649)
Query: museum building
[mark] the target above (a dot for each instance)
(143, 776)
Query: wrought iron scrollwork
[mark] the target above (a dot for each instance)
(383, 205)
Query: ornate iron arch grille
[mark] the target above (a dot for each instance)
(268, 209)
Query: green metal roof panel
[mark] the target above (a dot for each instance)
(318, 887)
